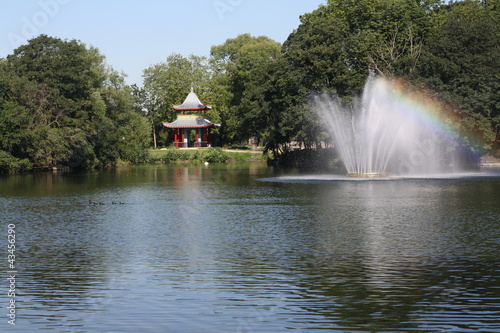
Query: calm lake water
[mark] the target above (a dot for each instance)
(238, 248)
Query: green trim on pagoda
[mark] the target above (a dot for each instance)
(184, 123)
(190, 121)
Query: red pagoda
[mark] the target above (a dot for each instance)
(187, 120)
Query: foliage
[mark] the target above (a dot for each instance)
(261, 90)
(347, 39)
(9, 163)
(175, 155)
(214, 155)
(61, 105)
(244, 63)
(450, 49)
(211, 155)
(334, 50)
(167, 84)
(461, 63)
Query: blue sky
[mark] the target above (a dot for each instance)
(135, 34)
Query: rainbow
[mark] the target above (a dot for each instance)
(432, 113)
(398, 130)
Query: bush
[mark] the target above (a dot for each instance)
(214, 155)
(174, 155)
(211, 155)
(9, 163)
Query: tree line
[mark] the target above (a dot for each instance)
(60, 104)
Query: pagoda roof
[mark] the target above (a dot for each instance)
(191, 103)
(191, 122)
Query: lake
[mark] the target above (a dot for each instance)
(247, 248)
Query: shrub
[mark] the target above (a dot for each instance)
(9, 163)
(214, 155)
(174, 155)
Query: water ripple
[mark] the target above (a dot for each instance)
(192, 254)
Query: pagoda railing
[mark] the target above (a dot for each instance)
(200, 144)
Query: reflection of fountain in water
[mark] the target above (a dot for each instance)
(387, 133)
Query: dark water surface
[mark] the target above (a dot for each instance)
(215, 249)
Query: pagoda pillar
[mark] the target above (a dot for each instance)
(199, 136)
(185, 138)
(176, 138)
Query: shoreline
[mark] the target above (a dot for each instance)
(202, 155)
(232, 156)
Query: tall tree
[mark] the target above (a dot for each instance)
(57, 98)
(461, 64)
(244, 63)
(334, 50)
(67, 66)
(167, 84)
(15, 121)
(336, 46)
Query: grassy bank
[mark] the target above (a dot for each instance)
(210, 155)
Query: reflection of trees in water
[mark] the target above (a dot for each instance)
(369, 263)
(406, 294)
(346, 255)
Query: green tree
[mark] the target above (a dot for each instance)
(124, 134)
(334, 50)
(338, 45)
(14, 121)
(66, 66)
(167, 84)
(243, 64)
(62, 76)
(58, 98)
(461, 64)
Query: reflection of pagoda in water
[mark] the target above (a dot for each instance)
(187, 121)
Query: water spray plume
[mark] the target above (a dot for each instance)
(387, 131)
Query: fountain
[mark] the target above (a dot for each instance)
(388, 132)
